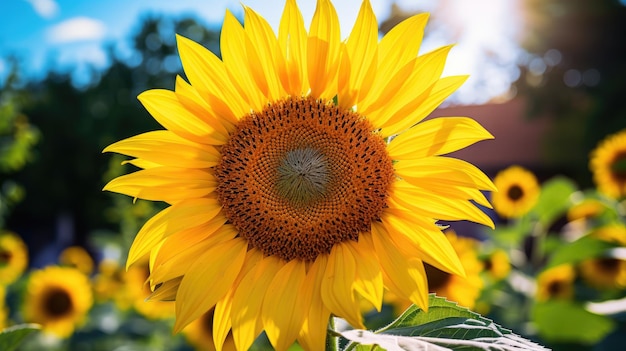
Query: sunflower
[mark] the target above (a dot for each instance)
(77, 257)
(608, 165)
(587, 209)
(300, 175)
(497, 265)
(199, 333)
(518, 191)
(13, 257)
(108, 284)
(138, 291)
(606, 272)
(464, 290)
(556, 283)
(58, 298)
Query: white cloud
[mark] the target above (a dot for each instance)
(45, 8)
(76, 29)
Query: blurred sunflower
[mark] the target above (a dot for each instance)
(556, 283)
(108, 284)
(606, 272)
(608, 165)
(287, 204)
(497, 265)
(77, 257)
(139, 292)
(58, 298)
(586, 210)
(518, 191)
(199, 333)
(13, 257)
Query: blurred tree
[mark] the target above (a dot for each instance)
(17, 138)
(574, 73)
(64, 200)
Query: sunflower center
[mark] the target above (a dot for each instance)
(5, 257)
(618, 167)
(515, 192)
(302, 176)
(555, 288)
(437, 279)
(610, 265)
(57, 303)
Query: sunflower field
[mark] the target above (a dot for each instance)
(299, 188)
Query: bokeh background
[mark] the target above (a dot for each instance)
(547, 80)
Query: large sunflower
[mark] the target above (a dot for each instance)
(58, 298)
(608, 165)
(518, 191)
(13, 257)
(300, 176)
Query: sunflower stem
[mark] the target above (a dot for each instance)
(332, 337)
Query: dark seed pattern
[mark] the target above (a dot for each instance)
(335, 151)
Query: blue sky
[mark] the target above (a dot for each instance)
(70, 34)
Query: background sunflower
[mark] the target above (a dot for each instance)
(517, 193)
(13, 257)
(608, 165)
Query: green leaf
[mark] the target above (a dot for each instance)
(581, 249)
(565, 321)
(554, 199)
(445, 326)
(11, 337)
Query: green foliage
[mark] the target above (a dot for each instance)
(12, 337)
(554, 199)
(584, 248)
(566, 321)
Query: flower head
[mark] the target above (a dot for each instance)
(518, 191)
(13, 257)
(77, 257)
(556, 283)
(58, 298)
(608, 165)
(301, 176)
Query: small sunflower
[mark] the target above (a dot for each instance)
(58, 298)
(77, 257)
(586, 210)
(199, 333)
(497, 265)
(518, 191)
(464, 290)
(606, 272)
(13, 257)
(556, 283)
(139, 292)
(300, 175)
(108, 284)
(608, 165)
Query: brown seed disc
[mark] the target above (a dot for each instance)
(302, 176)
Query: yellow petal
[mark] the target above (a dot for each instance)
(323, 46)
(168, 149)
(444, 171)
(359, 58)
(167, 184)
(313, 334)
(437, 137)
(411, 89)
(166, 291)
(282, 312)
(237, 62)
(248, 300)
(167, 109)
(208, 280)
(418, 109)
(221, 321)
(338, 284)
(401, 44)
(193, 101)
(292, 38)
(410, 233)
(206, 73)
(170, 264)
(407, 277)
(187, 214)
(270, 71)
(435, 206)
(369, 279)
